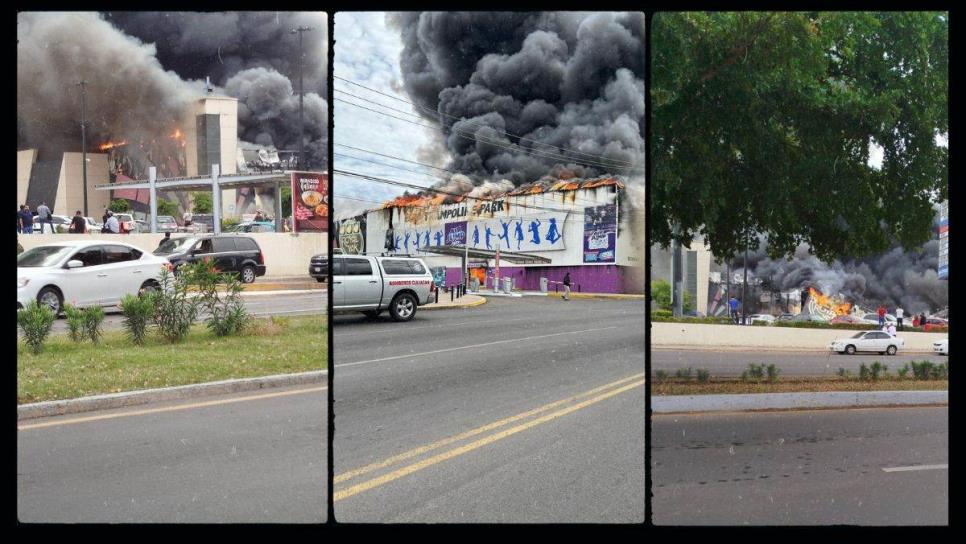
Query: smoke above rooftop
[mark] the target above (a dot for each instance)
(523, 96)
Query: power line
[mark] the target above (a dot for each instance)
(434, 112)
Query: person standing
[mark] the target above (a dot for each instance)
(881, 312)
(899, 313)
(186, 217)
(733, 306)
(111, 225)
(26, 220)
(922, 319)
(78, 225)
(892, 329)
(43, 212)
(915, 321)
(566, 284)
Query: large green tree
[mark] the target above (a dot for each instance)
(763, 123)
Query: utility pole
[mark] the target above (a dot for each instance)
(83, 86)
(744, 282)
(301, 163)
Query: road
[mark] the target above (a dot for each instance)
(259, 303)
(251, 457)
(519, 410)
(807, 467)
(733, 363)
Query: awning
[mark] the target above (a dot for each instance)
(476, 253)
(201, 183)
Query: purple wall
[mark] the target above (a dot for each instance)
(591, 279)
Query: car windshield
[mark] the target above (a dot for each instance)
(43, 256)
(174, 245)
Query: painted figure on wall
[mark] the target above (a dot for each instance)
(426, 239)
(439, 237)
(535, 230)
(506, 233)
(552, 233)
(406, 243)
(395, 246)
(476, 235)
(489, 233)
(519, 233)
(416, 240)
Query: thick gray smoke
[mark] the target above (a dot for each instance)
(570, 84)
(896, 277)
(144, 69)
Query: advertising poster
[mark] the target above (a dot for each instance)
(600, 234)
(352, 235)
(456, 233)
(310, 201)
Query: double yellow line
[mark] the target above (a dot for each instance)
(550, 411)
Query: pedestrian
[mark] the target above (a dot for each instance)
(922, 319)
(26, 220)
(186, 217)
(566, 284)
(167, 236)
(259, 216)
(107, 213)
(882, 312)
(43, 212)
(733, 305)
(915, 321)
(892, 329)
(19, 222)
(111, 225)
(78, 225)
(899, 314)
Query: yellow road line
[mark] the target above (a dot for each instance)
(488, 427)
(409, 469)
(72, 421)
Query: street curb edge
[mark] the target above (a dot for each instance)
(669, 404)
(480, 302)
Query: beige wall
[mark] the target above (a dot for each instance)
(227, 108)
(286, 254)
(702, 336)
(70, 187)
(25, 164)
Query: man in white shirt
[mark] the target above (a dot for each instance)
(43, 212)
(899, 313)
(112, 224)
(187, 218)
(892, 329)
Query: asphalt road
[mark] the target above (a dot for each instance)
(251, 457)
(808, 467)
(733, 363)
(259, 303)
(519, 410)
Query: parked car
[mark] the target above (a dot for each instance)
(933, 323)
(371, 285)
(253, 226)
(85, 273)
(873, 318)
(941, 347)
(848, 320)
(60, 222)
(767, 318)
(319, 267)
(93, 225)
(785, 317)
(127, 223)
(166, 223)
(230, 253)
(809, 317)
(874, 341)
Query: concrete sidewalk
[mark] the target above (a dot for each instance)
(573, 294)
(465, 301)
(285, 284)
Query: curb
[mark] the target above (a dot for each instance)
(181, 392)
(602, 296)
(480, 302)
(670, 404)
(283, 286)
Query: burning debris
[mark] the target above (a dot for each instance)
(519, 96)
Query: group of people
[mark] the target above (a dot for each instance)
(917, 320)
(25, 219)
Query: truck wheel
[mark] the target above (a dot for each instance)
(403, 307)
(320, 280)
(850, 349)
(892, 350)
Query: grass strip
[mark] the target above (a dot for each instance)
(721, 386)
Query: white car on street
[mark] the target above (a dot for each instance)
(767, 318)
(85, 273)
(941, 347)
(874, 341)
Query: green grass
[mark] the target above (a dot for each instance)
(67, 370)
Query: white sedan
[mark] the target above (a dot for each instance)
(875, 341)
(85, 273)
(941, 347)
(767, 318)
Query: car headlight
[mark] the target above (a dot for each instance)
(22, 282)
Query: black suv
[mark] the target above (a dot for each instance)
(319, 267)
(229, 252)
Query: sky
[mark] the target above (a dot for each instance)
(367, 53)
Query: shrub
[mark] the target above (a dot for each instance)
(174, 310)
(75, 322)
(661, 294)
(138, 315)
(226, 311)
(773, 372)
(940, 371)
(229, 222)
(683, 373)
(754, 373)
(903, 371)
(119, 205)
(876, 369)
(704, 375)
(864, 373)
(922, 370)
(660, 313)
(660, 376)
(36, 321)
(93, 318)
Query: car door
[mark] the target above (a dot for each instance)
(878, 341)
(338, 287)
(82, 286)
(361, 282)
(224, 254)
(124, 274)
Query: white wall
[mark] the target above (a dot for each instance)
(286, 254)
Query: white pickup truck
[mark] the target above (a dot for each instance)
(370, 284)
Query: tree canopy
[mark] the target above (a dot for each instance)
(763, 123)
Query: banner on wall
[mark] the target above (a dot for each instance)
(600, 234)
(351, 235)
(531, 233)
(455, 233)
(310, 201)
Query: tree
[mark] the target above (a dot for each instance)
(763, 123)
(286, 196)
(119, 205)
(166, 207)
(661, 294)
(201, 203)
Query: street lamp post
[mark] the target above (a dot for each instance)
(83, 86)
(301, 163)
(744, 282)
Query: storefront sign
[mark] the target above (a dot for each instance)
(600, 234)
(352, 235)
(310, 201)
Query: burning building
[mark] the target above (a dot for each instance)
(543, 229)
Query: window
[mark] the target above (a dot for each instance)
(91, 256)
(223, 245)
(117, 254)
(338, 269)
(204, 246)
(417, 267)
(400, 266)
(246, 244)
(358, 267)
(42, 256)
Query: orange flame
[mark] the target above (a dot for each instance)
(564, 183)
(828, 303)
(111, 145)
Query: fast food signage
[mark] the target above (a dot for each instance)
(310, 201)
